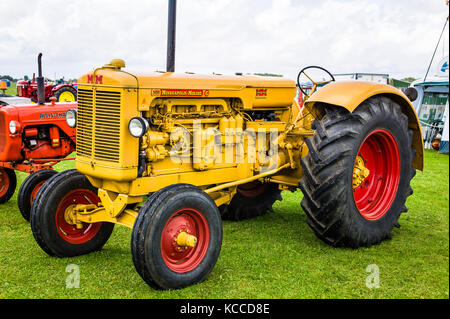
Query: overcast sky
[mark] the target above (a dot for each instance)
(223, 36)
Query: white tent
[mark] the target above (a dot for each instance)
(443, 148)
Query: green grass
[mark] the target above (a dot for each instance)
(274, 256)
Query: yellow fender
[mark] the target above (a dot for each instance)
(350, 94)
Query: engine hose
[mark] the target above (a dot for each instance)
(142, 162)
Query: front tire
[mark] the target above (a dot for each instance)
(157, 255)
(8, 183)
(52, 232)
(29, 188)
(357, 173)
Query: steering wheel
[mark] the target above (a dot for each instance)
(315, 84)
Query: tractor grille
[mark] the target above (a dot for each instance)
(84, 122)
(98, 127)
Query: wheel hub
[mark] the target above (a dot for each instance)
(376, 174)
(3, 179)
(65, 217)
(184, 240)
(66, 96)
(360, 172)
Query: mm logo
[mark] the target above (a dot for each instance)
(98, 79)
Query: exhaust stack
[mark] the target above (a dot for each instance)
(171, 28)
(40, 82)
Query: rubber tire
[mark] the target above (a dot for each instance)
(27, 188)
(327, 182)
(12, 185)
(43, 217)
(65, 89)
(243, 207)
(146, 236)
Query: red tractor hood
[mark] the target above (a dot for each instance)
(30, 115)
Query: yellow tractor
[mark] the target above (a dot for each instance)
(170, 155)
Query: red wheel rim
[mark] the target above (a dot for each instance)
(4, 182)
(69, 232)
(35, 191)
(374, 196)
(252, 189)
(184, 259)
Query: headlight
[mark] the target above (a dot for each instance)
(138, 126)
(71, 118)
(13, 127)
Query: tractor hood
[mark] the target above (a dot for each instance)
(113, 75)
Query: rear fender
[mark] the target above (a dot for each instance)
(350, 94)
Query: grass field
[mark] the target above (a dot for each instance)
(274, 256)
(12, 89)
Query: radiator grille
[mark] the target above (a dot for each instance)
(98, 128)
(84, 122)
(107, 126)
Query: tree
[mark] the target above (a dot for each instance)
(269, 74)
(409, 79)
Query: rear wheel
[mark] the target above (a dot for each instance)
(54, 234)
(357, 173)
(66, 93)
(29, 189)
(8, 182)
(176, 237)
(251, 200)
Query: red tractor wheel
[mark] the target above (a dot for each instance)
(52, 231)
(8, 182)
(379, 154)
(358, 173)
(251, 200)
(176, 237)
(29, 189)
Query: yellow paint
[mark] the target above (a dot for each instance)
(66, 96)
(360, 172)
(182, 110)
(186, 240)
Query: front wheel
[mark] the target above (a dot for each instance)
(357, 174)
(29, 189)
(52, 231)
(8, 182)
(177, 237)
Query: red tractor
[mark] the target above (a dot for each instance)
(62, 92)
(33, 138)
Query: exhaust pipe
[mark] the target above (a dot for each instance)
(40, 82)
(171, 27)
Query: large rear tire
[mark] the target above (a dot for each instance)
(8, 183)
(66, 93)
(251, 200)
(29, 188)
(173, 211)
(357, 173)
(52, 232)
